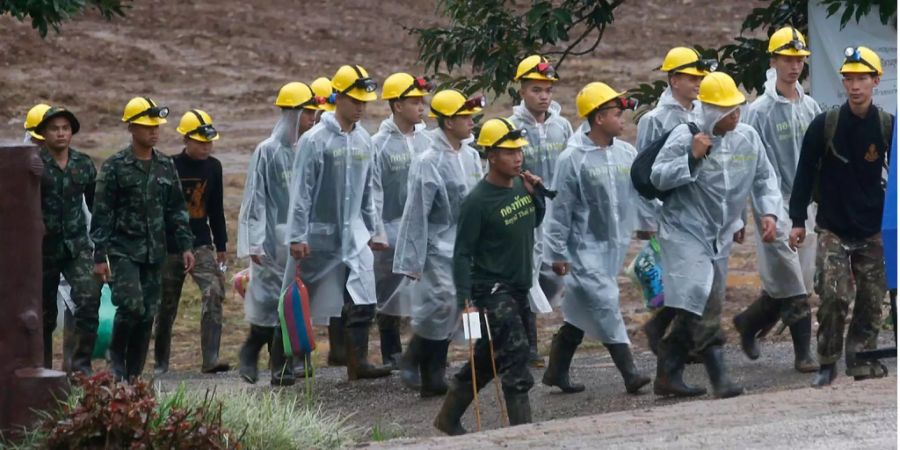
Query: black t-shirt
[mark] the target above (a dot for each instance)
(201, 183)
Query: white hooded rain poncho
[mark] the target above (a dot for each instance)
(440, 179)
(660, 120)
(394, 153)
(546, 141)
(590, 226)
(698, 220)
(781, 124)
(332, 210)
(262, 222)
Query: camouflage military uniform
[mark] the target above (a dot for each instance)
(66, 247)
(136, 201)
(836, 260)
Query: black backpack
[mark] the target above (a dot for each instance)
(643, 165)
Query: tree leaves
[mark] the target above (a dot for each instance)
(47, 14)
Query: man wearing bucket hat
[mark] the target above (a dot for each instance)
(332, 219)
(781, 115)
(201, 182)
(66, 183)
(262, 231)
(588, 233)
(547, 133)
(492, 270)
(138, 198)
(400, 138)
(438, 182)
(842, 162)
(711, 174)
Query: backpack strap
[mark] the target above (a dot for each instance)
(831, 123)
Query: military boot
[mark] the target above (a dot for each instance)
(358, 365)
(410, 362)
(433, 367)
(827, 373)
(669, 373)
(391, 348)
(84, 350)
(562, 350)
(756, 320)
(162, 342)
(68, 340)
(138, 347)
(337, 351)
(249, 355)
(210, 338)
(801, 332)
(118, 346)
(459, 396)
(621, 356)
(714, 361)
(518, 408)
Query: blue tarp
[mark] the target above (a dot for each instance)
(889, 219)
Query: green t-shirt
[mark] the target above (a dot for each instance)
(495, 237)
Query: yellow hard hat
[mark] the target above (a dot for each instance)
(297, 95)
(719, 89)
(144, 111)
(789, 42)
(536, 67)
(198, 125)
(592, 96)
(861, 60)
(402, 85)
(322, 88)
(501, 133)
(450, 102)
(355, 82)
(33, 119)
(687, 60)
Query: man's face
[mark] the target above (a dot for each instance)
(196, 149)
(307, 119)
(58, 134)
(144, 135)
(349, 108)
(507, 162)
(611, 121)
(685, 85)
(459, 127)
(729, 122)
(537, 95)
(859, 87)
(410, 109)
(788, 68)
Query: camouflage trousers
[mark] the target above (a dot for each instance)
(209, 279)
(79, 273)
(506, 311)
(848, 271)
(691, 333)
(136, 289)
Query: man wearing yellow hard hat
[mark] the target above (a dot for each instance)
(67, 194)
(138, 198)
(332, 218)
(588, 233)
(262, 229)
(547, 133)
(844, 154)
(202, 187)
(780, 116)
(439, 180)
(492, 264)
(709, 173)
(400, 138)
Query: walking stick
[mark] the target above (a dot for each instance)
(472, 365)
(504, 416)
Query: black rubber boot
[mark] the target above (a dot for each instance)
(801, 332)
(162, 341)
(358, 365)
(621, 356)
(518, 407)
(138, 347)
(391, 348)
(48, 348)
(433, 367)
(281, 364)
(337, 351)
(68, 340)
(714, 361)
(757, 319)
(210, 337)
(84, 350)
(118, 346)
(669, 374)
(562, 349)
(534, 359)
(303, 366)
(827, 373)
(459, 397)
(656, 327)
(410, 362)
(249, 355)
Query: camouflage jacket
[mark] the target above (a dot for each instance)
(134, 206)
(65, 224)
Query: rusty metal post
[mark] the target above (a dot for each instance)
(24, 384)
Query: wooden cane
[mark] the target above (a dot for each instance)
(472, 365)
(504, 416)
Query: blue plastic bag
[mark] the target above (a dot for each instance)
(646, 270)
